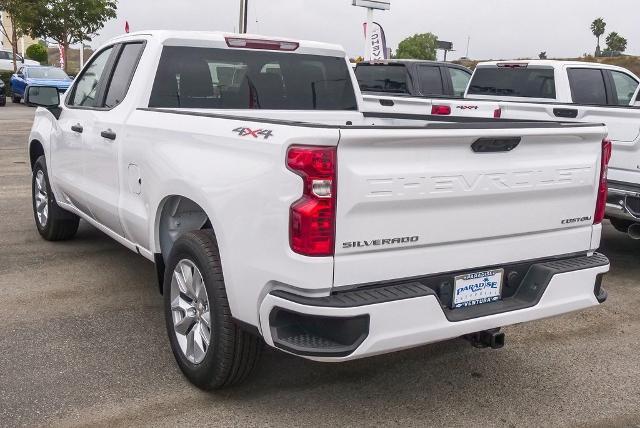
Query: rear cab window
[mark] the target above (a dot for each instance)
(214, 78)
(514, 81)
(392, 78)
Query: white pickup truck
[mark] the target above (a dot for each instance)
(275, 210)
(576, 91)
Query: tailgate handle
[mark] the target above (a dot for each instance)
(569, 113)
(387, 103)
(493, 145)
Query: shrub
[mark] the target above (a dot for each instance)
(38, 53)
(5, 76)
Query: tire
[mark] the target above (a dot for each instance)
(621, 225)
(232, 353)
(15, 99)
(53, 223)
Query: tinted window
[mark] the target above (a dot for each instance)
(235, 79)
(460, 81)
(123, 73)
(514, 82)
(587, 86)
(86, 90)
(4, 55)
(430, 80)
(625, 87)
(383, 78)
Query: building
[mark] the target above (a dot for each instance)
(23, 42)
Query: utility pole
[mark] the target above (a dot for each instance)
(244, 11)
(468, 43)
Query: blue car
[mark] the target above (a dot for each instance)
(37, 76)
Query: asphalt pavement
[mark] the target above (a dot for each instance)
(82, 342)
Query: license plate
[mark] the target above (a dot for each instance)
(477, 288)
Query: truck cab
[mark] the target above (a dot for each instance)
(576, 91)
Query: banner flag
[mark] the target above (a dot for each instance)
(378, 42)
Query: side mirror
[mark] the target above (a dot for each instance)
(43, 96)
(21, 59)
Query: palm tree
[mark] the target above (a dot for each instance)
(598, 28)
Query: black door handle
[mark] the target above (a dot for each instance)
(77, 128)
(568, 113)
(108, 134)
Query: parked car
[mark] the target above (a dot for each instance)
(6, 60)
(576, 91)
(275, 210)
(37, 76)
(418, 87)
(3, 94)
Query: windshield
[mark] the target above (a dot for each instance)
(514, 82)
(243, 79)
(383, 78)
(47, 73)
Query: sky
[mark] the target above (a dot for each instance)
(499, 29)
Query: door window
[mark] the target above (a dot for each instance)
(4, 55)
(126, 66)
(85, 93)
(587, 86)
(625, 87)
(460, 81)
(430, 80)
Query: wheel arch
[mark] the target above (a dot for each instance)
(36, 149)
(176, 215)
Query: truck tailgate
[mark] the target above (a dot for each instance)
(415, 202)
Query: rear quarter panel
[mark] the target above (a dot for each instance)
(243, 185)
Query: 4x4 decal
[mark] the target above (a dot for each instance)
(255, 133)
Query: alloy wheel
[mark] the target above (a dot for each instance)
(190, 311)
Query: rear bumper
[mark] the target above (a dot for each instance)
(377, 320)
(623, 201)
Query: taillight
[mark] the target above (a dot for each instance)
(312, 217)
(601, 204)
(274, 45)
(497, 113)
(440, 110)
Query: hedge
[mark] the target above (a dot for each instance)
(5, 76)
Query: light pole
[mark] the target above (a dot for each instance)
(244, 10)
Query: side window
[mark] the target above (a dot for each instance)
(625, 87)
(4, 55)
(123, 73)
(459, 80)
(587, 86)
(430, 80)
(86, 90)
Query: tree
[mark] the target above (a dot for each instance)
(419, 46)
(19, 13)
(37, 52)
(68, 22)
(598, 28)
(616, 43)
(542, 55)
